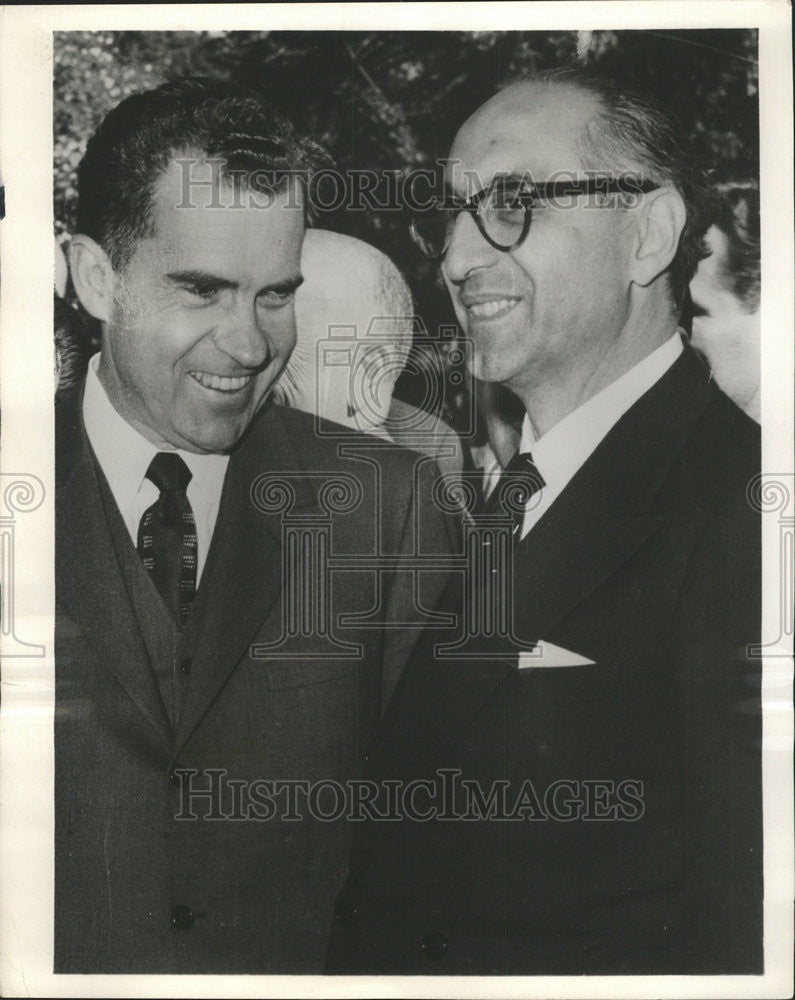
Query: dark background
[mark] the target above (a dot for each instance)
(393, 100)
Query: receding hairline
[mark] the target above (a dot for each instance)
(590, 123)
(260, 179)
(516, 100)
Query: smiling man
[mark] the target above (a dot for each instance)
(592, 783)
(209, 670)
(200, 321)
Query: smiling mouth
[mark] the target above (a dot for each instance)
(492, 308)
(221, 383)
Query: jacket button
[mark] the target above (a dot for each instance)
(345, 913)
(433, 945)
(182, 918)
(185, 665)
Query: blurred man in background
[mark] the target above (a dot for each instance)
(725, 296)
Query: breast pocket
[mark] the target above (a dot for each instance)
(561, 686)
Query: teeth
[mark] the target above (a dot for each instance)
(485, 309)
(223, 383)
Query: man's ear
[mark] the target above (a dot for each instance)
(92, 276)
(660, 224)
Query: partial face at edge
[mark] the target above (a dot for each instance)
(204, 317)
(723, 331)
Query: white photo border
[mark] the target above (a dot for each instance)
(27, 384)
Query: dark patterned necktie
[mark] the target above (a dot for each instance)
(167, 541)
(519, 480)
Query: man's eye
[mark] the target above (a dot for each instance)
(698, 311)
(275, 297)
(206, 293)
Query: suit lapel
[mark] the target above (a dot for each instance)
(242, 578)
(90, 583)
(569, 558)
(611, 506)
(605, 514)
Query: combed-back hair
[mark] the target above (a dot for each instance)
(634, 133)
(737, 216)
(192, 116)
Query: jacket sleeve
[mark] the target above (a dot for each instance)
(429, 537)
(720, 697)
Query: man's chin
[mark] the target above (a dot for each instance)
(209, 438)
(487, 369)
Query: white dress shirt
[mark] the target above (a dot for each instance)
(562, 451)
(124, 456)
(483, 458)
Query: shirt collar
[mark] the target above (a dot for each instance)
(124, 454)
(560, 452)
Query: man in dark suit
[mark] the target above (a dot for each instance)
(235, 591)
(580, 779)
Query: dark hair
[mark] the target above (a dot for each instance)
(737, 216)
(637, 134)
(72, 344)
(194, 115)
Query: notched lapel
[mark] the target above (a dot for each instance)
(242, 577)
(90, 584)
(578, 558)
(606, 514)
(611, 507)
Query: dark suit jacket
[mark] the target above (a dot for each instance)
(633, 782)
(233, 889)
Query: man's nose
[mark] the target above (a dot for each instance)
(468, 250)
(243, 337)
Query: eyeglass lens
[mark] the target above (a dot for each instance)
(499, 214)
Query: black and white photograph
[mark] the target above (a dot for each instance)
(398, 501)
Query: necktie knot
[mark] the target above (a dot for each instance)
(522, 478)
(518, 482)
(169, 473)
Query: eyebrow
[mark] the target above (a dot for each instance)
(509, 177)
(194, 277)
(204, 279)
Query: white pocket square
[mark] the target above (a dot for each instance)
(545, 654)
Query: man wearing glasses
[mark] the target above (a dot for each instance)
(585, 794)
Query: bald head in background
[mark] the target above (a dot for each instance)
(354, 317)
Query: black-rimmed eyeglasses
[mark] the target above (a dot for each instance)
(503, 210)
